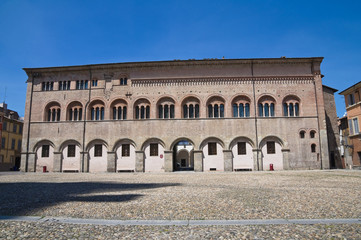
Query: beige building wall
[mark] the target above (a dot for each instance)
(178, 83)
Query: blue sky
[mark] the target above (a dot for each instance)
(69, 32)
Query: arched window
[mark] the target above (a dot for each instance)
(190, 108)
(313, 148)
(75, 111)
(142, 109)
(166, 108)
(291, 106)
(215, 107)
(312, 134)
(266, 106)
(97, 110)
(302, 134)
(118, 109)
(52, 112)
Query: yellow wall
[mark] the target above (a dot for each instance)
(8, 153)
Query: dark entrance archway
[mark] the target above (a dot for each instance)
(183, 157)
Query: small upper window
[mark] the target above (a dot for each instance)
(242, 148)
(154, 149)
(45, 151)
(312, 134)
(71, 150)
(123, 81)
(302, 134)
(98, 150)
(313, 148)
(125, 150)
(351, 99)
(94, 83)
(271, 147)
(212, 148)
(47, 86)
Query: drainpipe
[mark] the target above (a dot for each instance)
(85, 116)
(255, 115)
(318, 123)
(33, 75)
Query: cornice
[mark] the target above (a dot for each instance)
(221, 81)
(174, 63)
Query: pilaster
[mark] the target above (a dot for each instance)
(85, 165)
(168, 161)
(198, 161)
(228, 160)
(31, 162)
(139, 161)
(111, 163)
(257, 160)
(57, 162)
(285, 156)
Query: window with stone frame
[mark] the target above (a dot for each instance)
(241, 148)
(302, 134)
(271, 147)
(313, 148)
(312, 134)
(153, 149)
(71, 150)
(212, 148)
(45, 151)
(98, 150)
(125, 150)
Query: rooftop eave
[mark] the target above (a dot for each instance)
(30, 71)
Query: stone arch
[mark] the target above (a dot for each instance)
(165, 107)
(71, 158)
(271, 152)
(44, 157)
(52, 112)
(213, 158)
(191, 107)
(141, 108)
(241, 106)
(178, 140)
(96, 109)
(97, 140)
(119, 141)
(118, 109)
(98, 155)
(242, 153)
(266, 106)
(241, 138)
(177, 157)
(70, 111)
(211, 139)
(216, 106)
(291, 106)
(67, 142)
(154, 155)
(124, 155)
(153, 140)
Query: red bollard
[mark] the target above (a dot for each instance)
(271, 167)
(44, 168)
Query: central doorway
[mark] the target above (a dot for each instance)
(183, 156)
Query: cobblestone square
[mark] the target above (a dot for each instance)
(182, 196)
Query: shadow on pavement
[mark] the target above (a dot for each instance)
(25, 197)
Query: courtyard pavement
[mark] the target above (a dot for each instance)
(237, 205)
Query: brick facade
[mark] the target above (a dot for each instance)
(171, 103)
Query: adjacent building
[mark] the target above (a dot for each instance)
(11, 136)
(352, 139)
(201, 115)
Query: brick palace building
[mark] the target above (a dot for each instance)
(201, 115)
